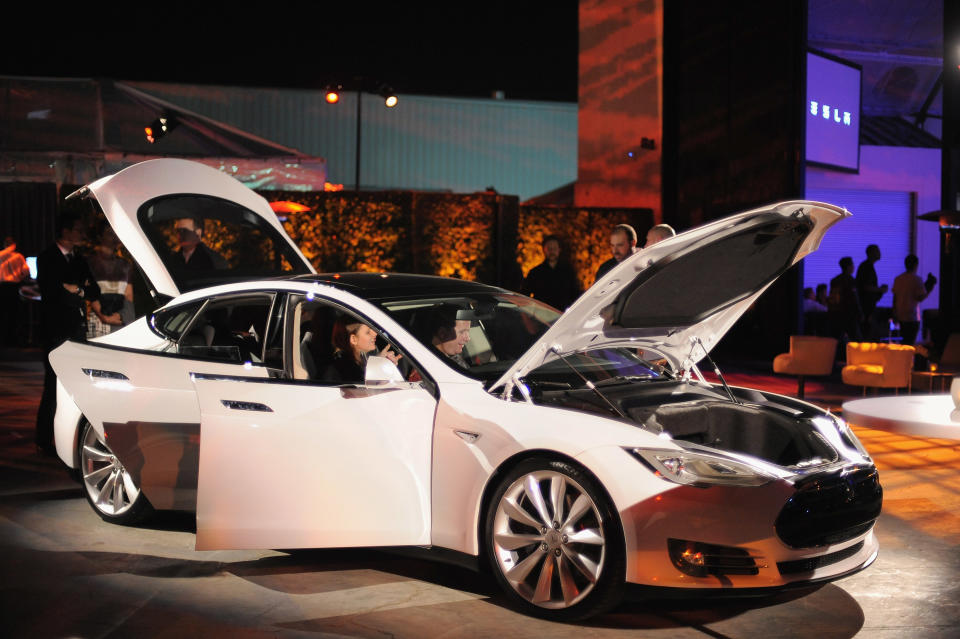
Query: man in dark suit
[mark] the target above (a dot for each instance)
(66, 284)
(194, 255)
(552, 281)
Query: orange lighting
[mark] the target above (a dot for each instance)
(391, 101)
(329, 186)
(332, 97)
(286, 206)
(693, 558)
(149, 132)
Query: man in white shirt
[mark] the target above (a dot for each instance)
(908, 291)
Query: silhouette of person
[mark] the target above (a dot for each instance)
(553, 280)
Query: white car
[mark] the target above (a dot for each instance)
(571, 454)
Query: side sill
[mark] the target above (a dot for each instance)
(436, 553)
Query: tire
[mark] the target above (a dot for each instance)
(564, 568)
(108, 486)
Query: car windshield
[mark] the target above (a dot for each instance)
(481, 335)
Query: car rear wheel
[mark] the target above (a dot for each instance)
(554, 542)
(108, 486)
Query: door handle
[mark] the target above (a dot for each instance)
(240, 405)
(96, 373)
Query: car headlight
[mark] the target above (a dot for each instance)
(699, 469)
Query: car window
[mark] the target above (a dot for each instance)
(321, 349)
(172, 322)
(232, 329)
(204, 240)
(479, 335)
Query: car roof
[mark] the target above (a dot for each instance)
(386, 286)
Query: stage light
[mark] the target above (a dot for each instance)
(159, 128)
(390, 98)
(331, 93)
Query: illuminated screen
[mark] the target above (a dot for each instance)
(32, 265)
(833, 112)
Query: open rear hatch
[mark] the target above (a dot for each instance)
(143, 203)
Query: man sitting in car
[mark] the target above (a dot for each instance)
(450, 335)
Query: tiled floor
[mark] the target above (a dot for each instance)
(65, 573)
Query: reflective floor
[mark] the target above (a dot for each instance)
(65, 573)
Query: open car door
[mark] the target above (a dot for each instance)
(145, 405)
(291, 464)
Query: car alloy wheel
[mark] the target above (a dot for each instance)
(554, 543)
(109, 487)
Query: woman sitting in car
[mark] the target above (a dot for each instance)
(352, 342)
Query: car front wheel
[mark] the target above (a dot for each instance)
(554, 542)
(108, 486)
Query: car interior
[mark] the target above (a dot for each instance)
(313, 349)
(231, 330)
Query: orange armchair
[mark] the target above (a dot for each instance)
(809, 355)
(878, 365)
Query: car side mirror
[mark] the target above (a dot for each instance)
(381, 371)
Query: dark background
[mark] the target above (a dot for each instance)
(526, 49)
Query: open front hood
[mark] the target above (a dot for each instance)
(126, 198)
(686, 291)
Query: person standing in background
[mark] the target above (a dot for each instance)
(869, 291)
(66, 284)
(659, 233)
(13, 270)
(114, 276)
(553, 280)
(623, 244)
(908, 291)
(844, 307)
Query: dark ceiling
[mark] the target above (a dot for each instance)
(899, 44)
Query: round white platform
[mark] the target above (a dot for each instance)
(921, 415)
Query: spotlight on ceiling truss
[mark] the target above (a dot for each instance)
(160, 127)
(331, 93)
(389, 96)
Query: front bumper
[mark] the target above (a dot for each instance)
(731, 525)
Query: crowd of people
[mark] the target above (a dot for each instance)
(848, 309)
(554, 280)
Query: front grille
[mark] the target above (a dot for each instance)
(812, 563)
(829, 509)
